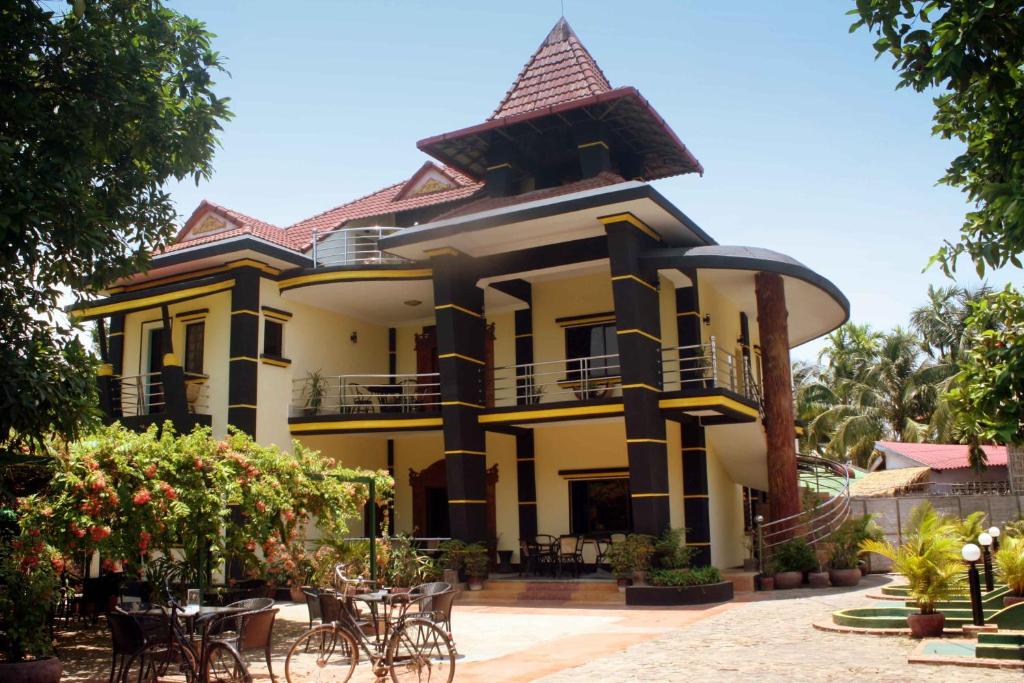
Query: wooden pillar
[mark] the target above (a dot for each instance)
(243, 354)
(458, 304)
(638, 327)
(783, 491)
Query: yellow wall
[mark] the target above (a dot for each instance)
(726, 514)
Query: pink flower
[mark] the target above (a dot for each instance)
(261, 506)
(150, 471)
(168, 490)
(98, 533)
(142, 497)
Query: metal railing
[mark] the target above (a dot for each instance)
(709, 366)
(143, 394)
(571, 379)
(822, 477)
(354, 394)
(352, 246)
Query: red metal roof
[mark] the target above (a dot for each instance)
(561, 70)
(602, 179)
(247, 225)
(942, 456)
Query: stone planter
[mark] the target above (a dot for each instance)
(475, 583)
(926, 625)
(1012, 600)
(784, 580)
(844, 577)
(818, 579)
(679, 595)
(45, 670)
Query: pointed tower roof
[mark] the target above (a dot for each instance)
(561, 70)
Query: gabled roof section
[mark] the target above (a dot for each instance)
(391, 199)
(212, 222)
(941, 456)
(561, 70)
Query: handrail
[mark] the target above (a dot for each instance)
(143, 394)
(564, 379)
(709, 366)
(367, 393)
(352, 246)
(817, 523)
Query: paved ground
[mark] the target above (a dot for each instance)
(765, 639)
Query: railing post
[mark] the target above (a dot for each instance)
(714, 362)
(732, 372)
(314, 248)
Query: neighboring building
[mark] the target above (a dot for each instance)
(944, 468)
(525, 332)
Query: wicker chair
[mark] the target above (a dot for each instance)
(570, 553)
(439, 606)
(129, 634)
(313, 605)
(361, 400)
(252, 604)
(255, 632)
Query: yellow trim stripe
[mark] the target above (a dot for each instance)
(680, 315)
(632, 220)
(246, 311)
(597, 143)
(248, 358)
(648, 387)
(171, 360)
(105, 370)
(648, 495)
(610, 409)
(497, 166)
(462, 452)
(461, 403)
(525, 459)
(458, 308)
(274, 361)
(154, 300)
(192, 318)
(524, 335)
(242, 263)
(276, 316)
(694, 448)
(696, 495)
(597, 475)
(645, 283)
(640, 332)
(646, 441)
(467, 501)
(344, 275)
(115, 334)
(360, 425)
(708, 402)
(241, 405)
(460, 356)
(704, 544)
(527, 502)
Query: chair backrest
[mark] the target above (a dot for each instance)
(432, 588)
(313, 603)
(256, 630)
(567, 544)
(544, 539)
(524, 548)
(442, 604)
(330, 607)
(252, 604)
(617, 537)
(125, 633)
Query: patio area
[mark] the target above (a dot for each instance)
(764, 636)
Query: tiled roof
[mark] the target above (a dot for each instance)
(602, 179)
(561, 70)
(941, 456)
(247, 226)
(380, 203)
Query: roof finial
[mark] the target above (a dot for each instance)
(563, 8)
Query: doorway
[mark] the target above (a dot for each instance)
(430, 516)
(437, 524)
(153, 382)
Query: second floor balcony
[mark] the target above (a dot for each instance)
(141, 400)
(353, 395)
(352, 247)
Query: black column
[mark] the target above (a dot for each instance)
(105, 375)
(172, 375)
(458, 305)
(244, 350)
(115, 349)
(526, 484)
(638, 325)
(696, 503)
(591, 141)
(525, 387)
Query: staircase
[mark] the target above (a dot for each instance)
(524, 591)
(1000, 646)
(829, 483)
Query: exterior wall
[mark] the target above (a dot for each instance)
(966, 474)
(416, 451)
(726, 514)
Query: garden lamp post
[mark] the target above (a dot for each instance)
(759, 520)
(986, 542)
(971, 554)
(994, 533)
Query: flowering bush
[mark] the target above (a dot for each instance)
(29, 572)
(130, 494)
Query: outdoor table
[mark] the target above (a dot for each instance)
(381, 605)
(192, 615)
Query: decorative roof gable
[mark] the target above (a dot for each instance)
(561, 70)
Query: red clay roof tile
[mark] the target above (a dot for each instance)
(943, 456)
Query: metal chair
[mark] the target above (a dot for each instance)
(570, 552)
(410, 396)
(361, 400)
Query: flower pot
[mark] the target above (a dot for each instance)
(296, 594)
(926, 625)
(639, 578)
(622, 582)
(767, 583)
(818, 579)
(451, 577)
(784, 580)
(475, 583)
(844, 577)
(45, 670)
(1012, 600)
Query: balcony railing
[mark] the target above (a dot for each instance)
(143, 394)
(573, 379)
(352, 246)
(357, 394)
(708, 366)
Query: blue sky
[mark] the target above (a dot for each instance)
(807, 147)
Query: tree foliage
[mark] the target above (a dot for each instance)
(102, 106)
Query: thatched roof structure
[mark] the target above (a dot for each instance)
(890, 482)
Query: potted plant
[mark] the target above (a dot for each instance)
(28, 580)
(475, 561)
(844, 556)
(313, 392)
(620, 559)
(681, 586)
(451, 560)
(771, 568)
(930, 561)
(1010, 568)
(820, 578)
(794, 557)
(404, 566)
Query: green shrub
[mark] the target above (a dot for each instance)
(28, 586)
(698, 576)
(631, 555)
(452, 554)
(670, 551)
(475, 560)
(795, 556)
(844, 544)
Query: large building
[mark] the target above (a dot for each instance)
(524, 331)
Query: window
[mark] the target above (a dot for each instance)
(273, 338)
(585, 342)
(195, 338)
(599, 506)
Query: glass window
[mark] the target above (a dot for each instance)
(585, 346)
(273, 338)
(195, 337)
(599, 506)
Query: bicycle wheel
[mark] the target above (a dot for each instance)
(420, 651)
(171, 662)
(224, 665)
(325, 653)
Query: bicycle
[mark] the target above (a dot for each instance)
(416, 649)
(177, 659)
